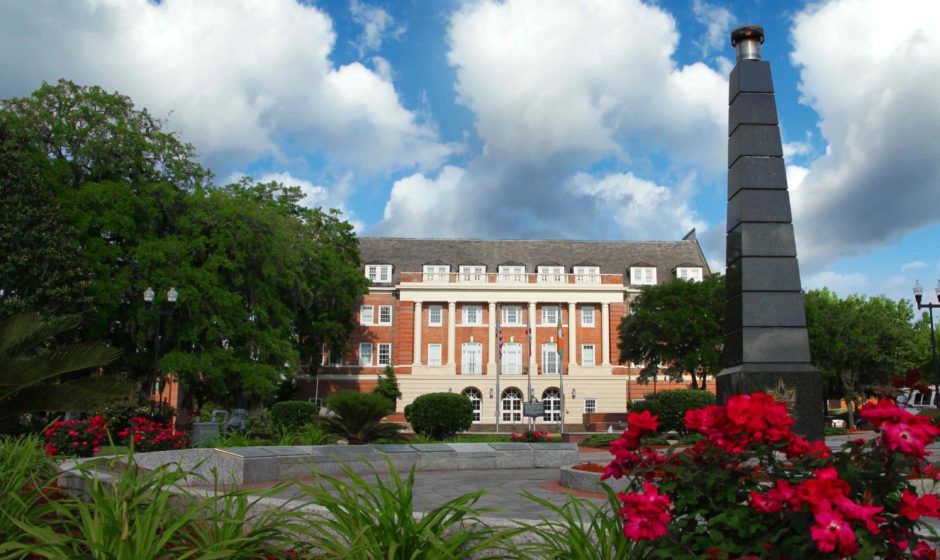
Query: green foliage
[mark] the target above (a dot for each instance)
(265, 283)
(24, 472)
(580, 529)
(860, 342)
(440, 415)
(357, 417)
(375, 518)
(600, 440)
(291, 415)
(31, 363)
(118, 413)
(678, 325)
(671, 406)
(388, 386)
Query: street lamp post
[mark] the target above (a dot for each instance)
(171, 296)
(918, 296)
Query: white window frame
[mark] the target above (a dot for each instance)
(551, 275)
(475, 273)
(387, 347)
(362, 315)
(585, 316)
(476, 402)
(643, 275)
(590, 406)
(512, 310)
(439, 310)
(385, 308)
(435, 356)
(478, 312)
(511, 356)
(436, 272)
(551, 400)
(379, 273)
(690, 273)
(587, 274)
(512, 274)
(469, 366)
(363, 346)
(512, 413)
(550, 358)
(593, 351)
(547, 318)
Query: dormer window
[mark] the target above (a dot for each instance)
(643, 275)
(436, 272)
(587, 274)
(551, 274)
(512, 273)
(472, 273)
(379, 273)
(690, 273)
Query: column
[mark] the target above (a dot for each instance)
(491, 342)
(417, 341)
(572, 335)
(605, 334)
(451, 332)
(533, 350)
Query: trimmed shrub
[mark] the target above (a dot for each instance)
(671, 406)
(600, 440)
(440, 415)
(292, 415)
(358, 418)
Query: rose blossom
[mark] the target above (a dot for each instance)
(645, 515)
(832, 532)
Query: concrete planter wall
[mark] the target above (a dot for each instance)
(588, 481)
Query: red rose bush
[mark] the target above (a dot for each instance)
(145, 436)
(754, 488)
(76, 438)
(529, 436)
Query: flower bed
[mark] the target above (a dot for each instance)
(753, 488)
(84, 438)
(529, 436)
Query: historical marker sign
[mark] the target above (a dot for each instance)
(533, 409)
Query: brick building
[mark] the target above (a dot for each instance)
(448, 314)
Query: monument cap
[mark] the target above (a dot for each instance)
(747, 40)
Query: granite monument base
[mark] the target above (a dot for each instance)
(797, 385)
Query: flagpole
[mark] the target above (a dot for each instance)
(499, 360)
(528, 391)
(561, 371)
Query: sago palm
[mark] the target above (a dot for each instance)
(358, 418)
(30, 364)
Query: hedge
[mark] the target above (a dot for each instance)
(671, 406)
(292, 415)
(440, 415)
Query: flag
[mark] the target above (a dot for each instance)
(561, 337)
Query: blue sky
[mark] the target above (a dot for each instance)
(583, 119)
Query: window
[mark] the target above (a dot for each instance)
(472, 273)
(434, 354)
(587, 274)
(435, 316)
(476, 401)
(587, 316)
(642, 275)
(366, 315)
(590, 406)
(385, 314)
(381, 273)
(550, 359)
(551, 399)
(511, 405)
(385, 354)
(690, 273)
(365, 354)
(587, 355)
(512, 274)
(551, 274)
(550, 315)
(472, 315)
(436, 272)
(512, 314)
(471, 362)
(511, 358)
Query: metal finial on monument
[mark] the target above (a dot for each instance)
(766, 342)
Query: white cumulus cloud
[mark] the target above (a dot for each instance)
(875, 89)
(241, 80)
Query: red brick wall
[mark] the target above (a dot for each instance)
(591, 335)
(478, 334)
(404, 334)
(617, 311)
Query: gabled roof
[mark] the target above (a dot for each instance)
(613, 257)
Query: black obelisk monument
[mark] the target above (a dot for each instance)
(766, 342)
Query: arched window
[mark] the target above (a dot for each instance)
(476, 400)
(551, 398)
(511, 404)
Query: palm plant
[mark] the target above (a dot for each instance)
(357, 417)
(580, 529)
(369, 519)
(30, 364)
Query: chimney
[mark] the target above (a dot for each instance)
(766, 342)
